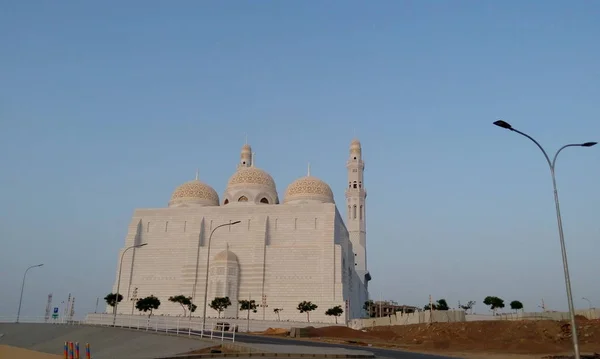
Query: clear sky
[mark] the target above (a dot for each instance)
(108, 106)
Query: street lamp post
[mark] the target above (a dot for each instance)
(119, 280)
(22, 287)
(587, 300)
(207, 265)
(552, 164)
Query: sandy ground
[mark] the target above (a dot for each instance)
(18, 353)
(481, 340)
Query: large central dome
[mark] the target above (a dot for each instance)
(250, 184)
(251, 176)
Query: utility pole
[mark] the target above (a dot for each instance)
(430, 309)
(248, 317)
(134, 299)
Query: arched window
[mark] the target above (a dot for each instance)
(354, 184)
(243, 199)
(264, 200)
(349, 213)
(361, 212)
(226, 201)
(354, 212)
(349, 184)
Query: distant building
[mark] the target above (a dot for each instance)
(385, 308)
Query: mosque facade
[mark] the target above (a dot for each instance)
(279, 254)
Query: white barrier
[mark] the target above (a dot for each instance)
(219, 330)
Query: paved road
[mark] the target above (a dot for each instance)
(381, 353)
(385, 353)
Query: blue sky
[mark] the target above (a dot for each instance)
(107, 107)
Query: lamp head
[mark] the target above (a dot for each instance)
(39, 265)
(503, 124)
(589, 144)
(141, 245)
(236, 222)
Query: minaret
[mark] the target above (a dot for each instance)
(356, 206)
(246, 156)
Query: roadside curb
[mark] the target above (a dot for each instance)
(268, 355)
(245, 352)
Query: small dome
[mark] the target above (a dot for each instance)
(250, 176)
(226, 256)
(195, 193)
(308, 188)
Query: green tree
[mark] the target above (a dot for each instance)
(277, 311)
(248, 305)
(192, 308)
(367, 306)
(516, 305)
(147, 304)
(306, 307)
(469, 306)
(183, 301)
(220, 304)
(335, 311)
(494, 303)
(441, 304)
(111, 299)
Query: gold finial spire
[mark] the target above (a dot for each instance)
(308, 173)
(197, 173)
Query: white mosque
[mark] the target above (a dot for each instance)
(279, 254)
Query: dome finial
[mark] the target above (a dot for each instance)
(197, 173)
(308, 174)
(253, 158)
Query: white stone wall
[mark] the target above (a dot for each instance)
(289, 253)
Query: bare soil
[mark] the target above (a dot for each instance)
(519, 339)
(18, 353)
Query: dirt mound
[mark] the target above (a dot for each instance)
(518, 337)
(338, 332)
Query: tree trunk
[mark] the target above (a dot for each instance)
(308, 316)
(336, 320)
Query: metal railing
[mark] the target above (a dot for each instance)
(216, 330)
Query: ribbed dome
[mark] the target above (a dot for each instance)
(196, 193)
(251, 175)
(308, 188)
(226, 256)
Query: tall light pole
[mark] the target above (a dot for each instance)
(23, 286)
(207, 265)
(119, 280)
(589, 302)
(552, 164)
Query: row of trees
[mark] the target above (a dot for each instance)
(493, 302)
(219, 304)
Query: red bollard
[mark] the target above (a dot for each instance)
(66, 350)
(71, 350)
(88, 353)
(77, 350)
